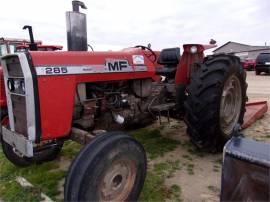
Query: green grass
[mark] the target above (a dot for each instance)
(155, 189)
(154, 144)
(190, 168)
(187, 157)
(46, 177)
(70, 149)
(167, 169)
(192, 149)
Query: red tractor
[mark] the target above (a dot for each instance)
(8, 46)
(55, 96)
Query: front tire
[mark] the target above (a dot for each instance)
(41, 156)
(45, 155)
(110, 168)
(215, 102)
(13, 157)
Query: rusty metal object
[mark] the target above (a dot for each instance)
(118, 181)
(81, 136)
(254, 111)
(88, 115)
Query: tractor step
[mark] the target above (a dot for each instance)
(163, 108)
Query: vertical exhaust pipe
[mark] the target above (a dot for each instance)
(32, 45)
(76, 28)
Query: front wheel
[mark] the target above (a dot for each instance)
(45, 155)
(48, 154)
(215, 102)
(110, 168)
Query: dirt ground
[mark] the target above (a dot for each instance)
(195, 176)
(203, 184)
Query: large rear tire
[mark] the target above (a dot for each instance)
(215, 102)
(110, 168)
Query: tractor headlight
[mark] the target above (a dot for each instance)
(193, 49)
(10, 84)
(16, 85)
(22, 86)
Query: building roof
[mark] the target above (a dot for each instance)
(248, 47)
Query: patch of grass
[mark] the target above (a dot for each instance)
(187, 157)
(154, 144)
(190, 169)
(154, 187)
(44, 177)
(12, 191)
(193, 150)
(176, 193)
(167, 169)
(70, 149)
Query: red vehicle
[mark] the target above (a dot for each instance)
(249, 64)
(9, 45)
(55, 96)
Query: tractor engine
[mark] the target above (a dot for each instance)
(110, 105)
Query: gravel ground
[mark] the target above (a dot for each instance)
(259, 89)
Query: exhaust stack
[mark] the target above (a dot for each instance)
(32, 45)
(76, 28)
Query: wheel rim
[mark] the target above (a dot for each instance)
(230, 106)
(118, 181)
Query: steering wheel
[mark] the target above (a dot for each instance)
(153, 54)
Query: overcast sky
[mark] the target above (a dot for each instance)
(115, 24)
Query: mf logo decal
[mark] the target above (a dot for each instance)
(118, 66)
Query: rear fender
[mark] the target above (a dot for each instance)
(193, 53)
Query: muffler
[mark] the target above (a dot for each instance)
(76, 28)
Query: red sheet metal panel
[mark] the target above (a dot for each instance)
(254, 111)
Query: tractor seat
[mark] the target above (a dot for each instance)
(169, 58)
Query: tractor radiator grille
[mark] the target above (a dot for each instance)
(16, 94)
(19, 113)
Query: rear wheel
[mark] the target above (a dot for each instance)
(215, 102)
(110, 168)
(257, 72)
